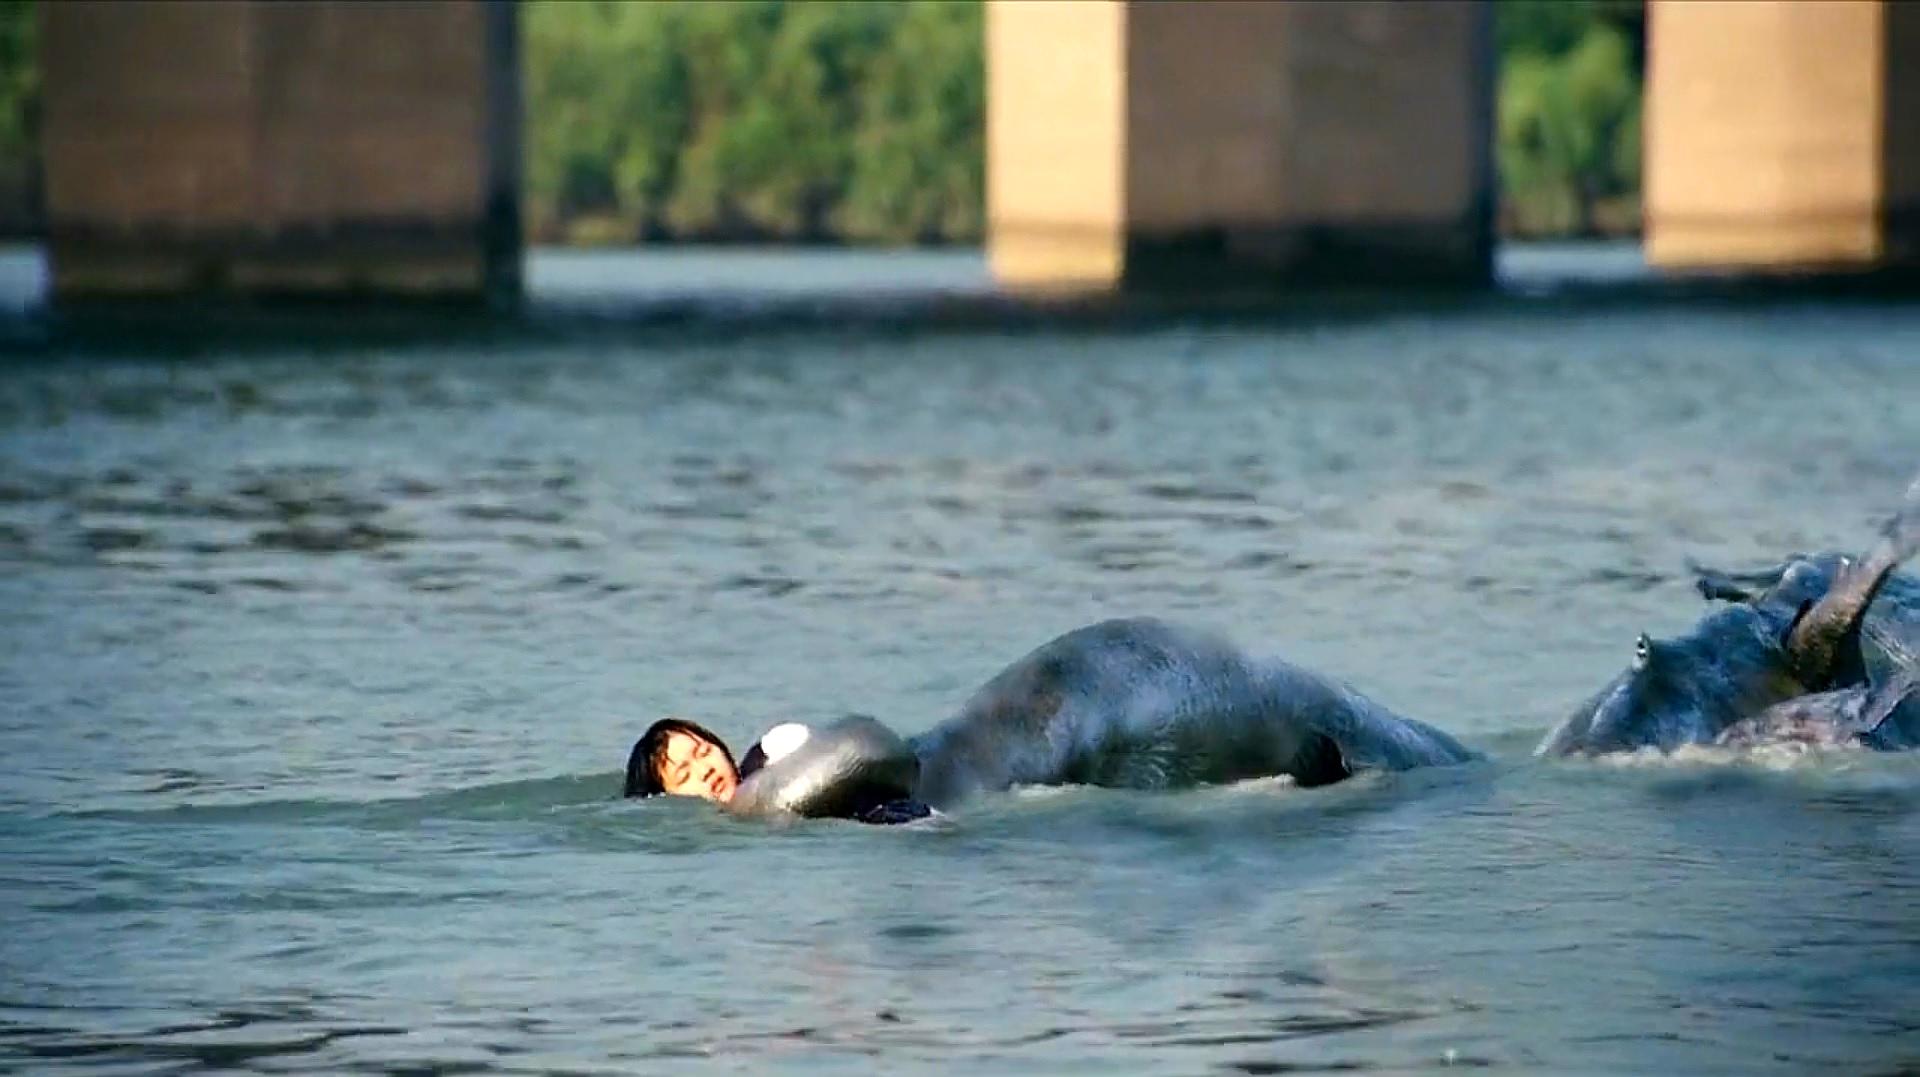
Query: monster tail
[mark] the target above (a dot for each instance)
(1827, 632)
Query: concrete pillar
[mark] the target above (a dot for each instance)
(1232, 144)
(1783, 135)
(325, 147)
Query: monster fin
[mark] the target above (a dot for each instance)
(1886, 698)
(1727, 585)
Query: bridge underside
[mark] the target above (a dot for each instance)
(336, 147)
(1174, 146)
(326, 147)
(1153, 146)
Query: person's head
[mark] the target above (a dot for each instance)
(681, 758)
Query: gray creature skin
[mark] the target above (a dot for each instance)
(1884, 717)
(1889, 638)
(1875, 698)
(1142, 704)
(1802, 635)
(841, 770)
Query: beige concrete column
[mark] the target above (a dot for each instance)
(1782, 135)
(1056, 142)
(1234, 144)
(322, 147)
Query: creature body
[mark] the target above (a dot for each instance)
(845, 770)
(1874, 698)
(1889, 634)
(1811, 630)
(1143, 704)
(1882, 716)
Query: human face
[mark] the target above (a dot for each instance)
(694, 767)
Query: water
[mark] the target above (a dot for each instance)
(320, 664)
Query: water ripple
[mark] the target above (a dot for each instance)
(320, 665)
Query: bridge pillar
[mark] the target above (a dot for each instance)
(1783, 135)
(326, 147)
(1236, 144)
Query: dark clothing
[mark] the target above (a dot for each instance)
(891, 812)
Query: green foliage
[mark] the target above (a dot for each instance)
(760, 120)
(864, 121)
(841, 119)
(1569, 116)
(19, 120)
(1541, 27)
(19, 82)
(919, 151)
(608, 90)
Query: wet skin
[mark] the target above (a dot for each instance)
(1875, 701)
(1800, 636)
(1686, 690)
(693, 767)
(1142, 704)
(1889, 637)
(1884, 717)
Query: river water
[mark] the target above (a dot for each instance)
(320, 663)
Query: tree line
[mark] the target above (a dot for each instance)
(847, 121)
(864, 122)
(755, 120)
(19, 120)
(1567, 130)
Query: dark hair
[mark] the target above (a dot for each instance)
(643, 763)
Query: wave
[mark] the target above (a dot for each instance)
(592, 800)
(528, 798)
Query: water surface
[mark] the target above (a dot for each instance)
(319, 666)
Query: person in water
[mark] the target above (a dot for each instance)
(1130, 703)
(678, 757)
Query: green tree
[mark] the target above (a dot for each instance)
(1569, 114)
(607, 96)
(758, 120)
(19, 118)
(19, 81)
(724, 47)
(1541, 27)
(919, 154)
